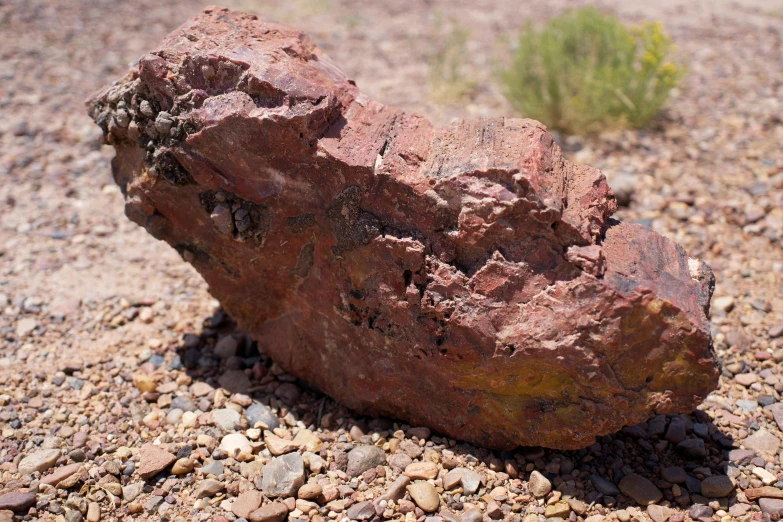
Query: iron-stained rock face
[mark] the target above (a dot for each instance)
(466, 278)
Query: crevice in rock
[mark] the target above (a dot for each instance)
(239, 218)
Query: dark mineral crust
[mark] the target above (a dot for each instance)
(466, 278)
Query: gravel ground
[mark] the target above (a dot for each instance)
(126, 393)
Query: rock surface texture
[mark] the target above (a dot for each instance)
(466, 278)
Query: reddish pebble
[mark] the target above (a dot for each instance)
(147, 368)
(79, 439)
(370, 475)
(258, 372)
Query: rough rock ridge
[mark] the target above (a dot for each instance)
(466, 278)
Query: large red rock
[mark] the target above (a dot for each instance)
(466, 278)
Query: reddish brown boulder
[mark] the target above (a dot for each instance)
(466, 278)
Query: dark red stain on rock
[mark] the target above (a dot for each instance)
(466, 278)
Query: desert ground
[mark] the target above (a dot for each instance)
(111, 342)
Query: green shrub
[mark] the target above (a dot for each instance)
(449, 81)
(585, 71)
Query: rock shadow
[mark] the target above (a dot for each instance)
(684, 461)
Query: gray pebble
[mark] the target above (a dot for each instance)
(132, 491)
(283, 476)
(697, 511)
(747, 405)
(226, 418)
(258, 412)
(676, 432)
(640, 489)
(362, 458)
(152, 504)
(716, 486)
(605, 487)
(673, 474)
(692, 449)
(214, 467)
